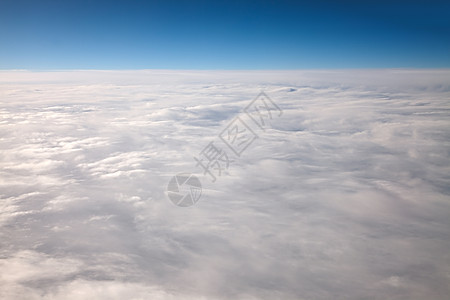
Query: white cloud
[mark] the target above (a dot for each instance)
(346, 196)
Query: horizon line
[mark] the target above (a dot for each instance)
(228, 70)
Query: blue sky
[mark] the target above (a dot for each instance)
(41, 35)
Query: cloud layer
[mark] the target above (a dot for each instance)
(346, 196)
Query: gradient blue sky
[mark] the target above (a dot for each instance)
(223, 34)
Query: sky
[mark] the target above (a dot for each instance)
(54, 35)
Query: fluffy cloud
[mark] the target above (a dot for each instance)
(346, 196)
